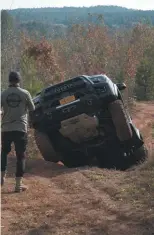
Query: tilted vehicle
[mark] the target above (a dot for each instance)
(84, 119)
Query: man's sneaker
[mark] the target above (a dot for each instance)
(20, 187)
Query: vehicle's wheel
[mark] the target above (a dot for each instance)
(140, 155)
(75, 159)
(120, 120)
(114, 158)
(110, 159)
(45, 147)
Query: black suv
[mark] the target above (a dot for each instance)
(83, 120)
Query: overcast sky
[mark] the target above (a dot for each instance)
(137, 4)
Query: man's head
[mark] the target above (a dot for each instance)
(14, 78)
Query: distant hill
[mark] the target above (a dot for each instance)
(113, 15)
(44, 19)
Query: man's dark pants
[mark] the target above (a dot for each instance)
(20, 141)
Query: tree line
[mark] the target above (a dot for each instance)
(114, 16)
(124, 55)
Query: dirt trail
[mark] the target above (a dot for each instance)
(87, 201)
(143, 117)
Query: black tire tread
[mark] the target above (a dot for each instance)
(141, 154)
(120, 120)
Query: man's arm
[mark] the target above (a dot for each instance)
(30, 103)
(31, 108)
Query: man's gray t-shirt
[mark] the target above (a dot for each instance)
(15, 102)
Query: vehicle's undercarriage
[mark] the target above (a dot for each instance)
(85, 118)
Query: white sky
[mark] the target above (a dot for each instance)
(137, 4)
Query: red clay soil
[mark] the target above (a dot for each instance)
(87, 201)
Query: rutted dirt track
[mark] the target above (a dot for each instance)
(88, 201)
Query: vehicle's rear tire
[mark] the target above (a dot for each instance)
(120, 120)
(114, 159)
(110, 157)
(140, 155)
(45, 147)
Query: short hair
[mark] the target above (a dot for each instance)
(14, 77)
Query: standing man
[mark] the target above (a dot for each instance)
(15, 103)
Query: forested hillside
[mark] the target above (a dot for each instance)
(44, 54)
(53, 22)
(113, 16)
